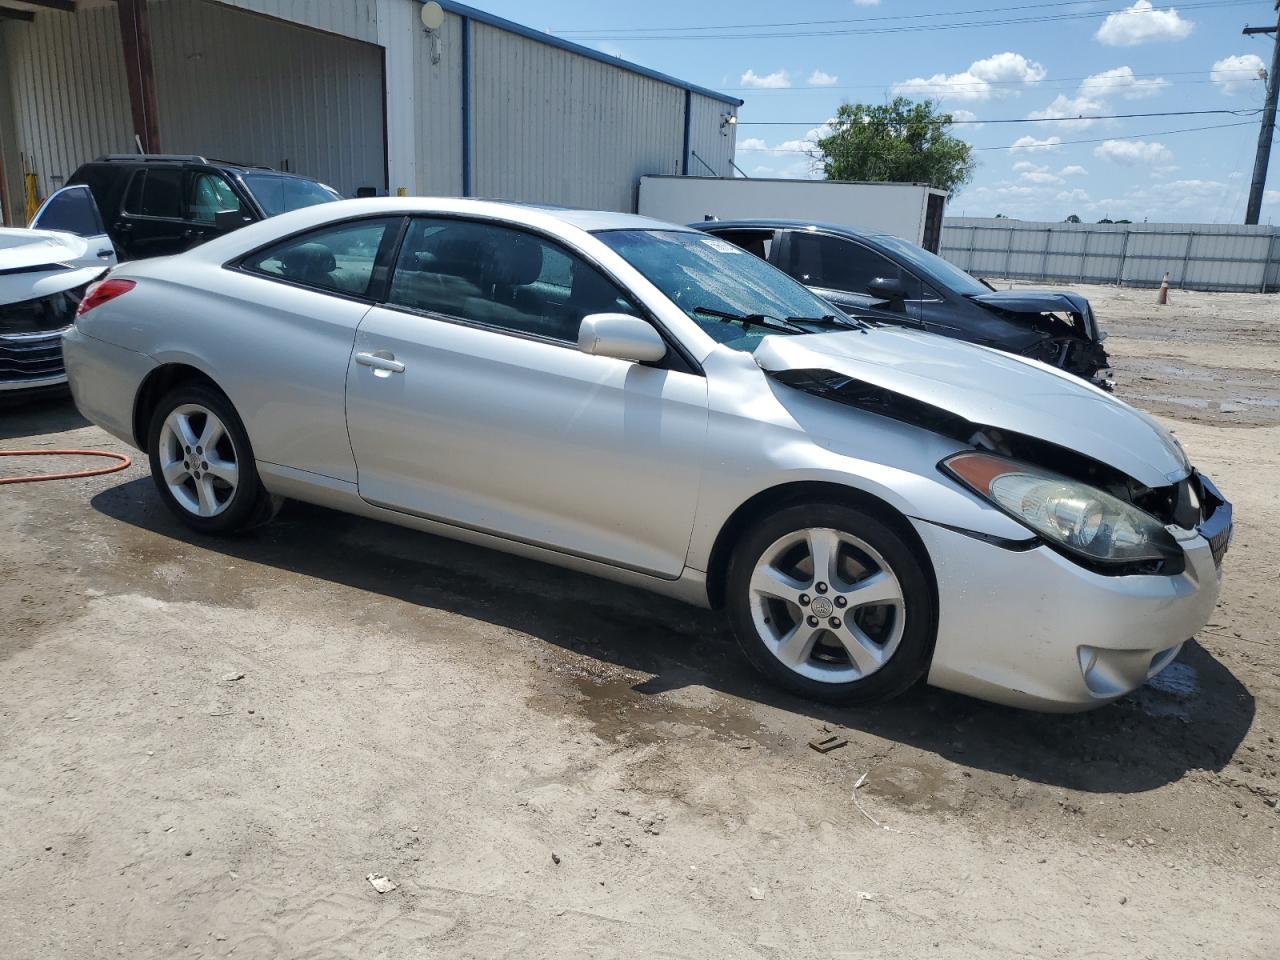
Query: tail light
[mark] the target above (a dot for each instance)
(102, 291)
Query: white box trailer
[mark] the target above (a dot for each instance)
(911, 211)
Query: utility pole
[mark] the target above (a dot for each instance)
(1254, 209)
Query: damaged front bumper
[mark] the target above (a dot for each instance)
(1056, 636)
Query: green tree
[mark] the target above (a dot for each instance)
(1074, 218)
(902, 142)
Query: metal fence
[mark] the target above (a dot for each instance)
(1197, 256)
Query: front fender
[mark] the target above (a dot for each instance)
(785, 436)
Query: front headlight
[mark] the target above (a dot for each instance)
(1083, 520)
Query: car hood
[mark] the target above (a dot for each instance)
(1033, 301)
(37, 263)
(993, 389)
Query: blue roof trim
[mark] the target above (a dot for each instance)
(462, 10)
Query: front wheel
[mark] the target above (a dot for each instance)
(202, 463)
(832, 604)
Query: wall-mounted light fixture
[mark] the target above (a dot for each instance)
(432, 20)
(727, 122)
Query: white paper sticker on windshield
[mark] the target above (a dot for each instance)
(723, 246)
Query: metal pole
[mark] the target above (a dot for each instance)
(1186, 259)
(1124, 248)
(1084, 254)
(1265, 135)
(1008, 254)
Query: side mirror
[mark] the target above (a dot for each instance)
(620, 336)
(887, 288)
(224, 221)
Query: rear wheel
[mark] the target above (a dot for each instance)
(832, 604)
(202, 463)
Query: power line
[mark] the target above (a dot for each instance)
(1113, 116)
(1052, 143)
(814, 23)
(1098, 81)
(906, 28)
(625, 32)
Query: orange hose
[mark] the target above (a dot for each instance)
(36, 478)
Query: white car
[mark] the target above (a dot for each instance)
(651, 404)
(44, 272)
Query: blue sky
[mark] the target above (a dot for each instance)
(1088, 59)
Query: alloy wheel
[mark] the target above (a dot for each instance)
(198, 460)
(827, 605)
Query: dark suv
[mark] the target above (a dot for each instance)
(887, 280)
(155, 204)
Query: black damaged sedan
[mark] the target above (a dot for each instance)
(887, 280)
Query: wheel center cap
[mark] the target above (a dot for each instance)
(822, 607)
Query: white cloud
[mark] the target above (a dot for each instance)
(803, 145)
(1073, 196)
(1142, 23)
(968, 117)
(996, 76)
(1075, 170)
(1035, 173)
(769, 81)
(1032, 145)
(1070, 112)
(1233, 74)
(1201, 187)
(1092, 96)
(821, 79)
(1133, 152)
(1270, 196)
(1121, 82)
(866, 3)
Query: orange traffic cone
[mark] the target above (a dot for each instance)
(1164, 291)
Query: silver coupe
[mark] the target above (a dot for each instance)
(641, 401)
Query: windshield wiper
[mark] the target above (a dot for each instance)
(831, 320)
(752, 319)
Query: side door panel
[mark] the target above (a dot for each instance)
(73, 210)
(529, 440)
(458, 419)
(838, 269)
(151, 221)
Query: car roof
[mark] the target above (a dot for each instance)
(770, 223)
(161, 160)
(595, 221)
(555, 220)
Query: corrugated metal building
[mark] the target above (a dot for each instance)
(356, 93)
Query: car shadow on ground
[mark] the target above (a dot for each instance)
(1141, 742)
(21, 417)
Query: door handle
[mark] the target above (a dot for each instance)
(123, 226)
(387, 363)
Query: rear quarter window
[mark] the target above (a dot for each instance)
(339, 257)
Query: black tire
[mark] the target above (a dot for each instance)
(905, 665)
(249, 504)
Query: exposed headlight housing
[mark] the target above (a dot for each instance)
(1088, 524)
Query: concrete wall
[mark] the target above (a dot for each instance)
(1198, 256)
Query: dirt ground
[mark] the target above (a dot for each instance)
(550, 766)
